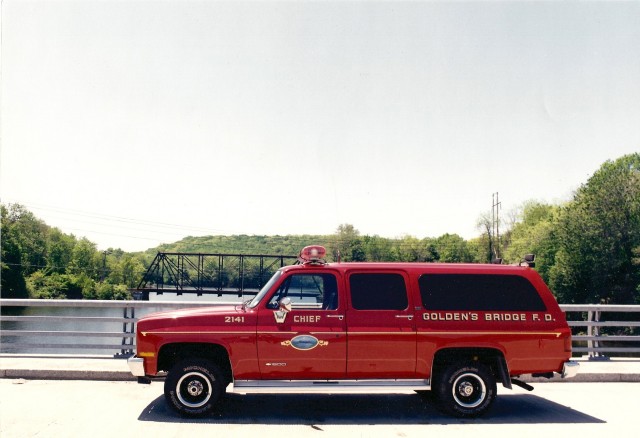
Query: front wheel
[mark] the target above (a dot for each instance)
(466, 389)
(193, 387)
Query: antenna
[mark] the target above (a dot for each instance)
(495, 223)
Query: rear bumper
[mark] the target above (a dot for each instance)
(570, 369)
(136, 365)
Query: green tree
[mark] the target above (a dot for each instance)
(378, 249)
(478, 249)
(127, 271)
(30, 236)
(430, 252)
(108, 291)
(12, 283)
(346, 244)
(24, 246)
(85, 259)
(598, 233)
(535, 233)
(453, 249)
(60, 286)
(59, 250)
(409, 249)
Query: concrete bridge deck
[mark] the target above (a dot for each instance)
(81, 408)
(76, 396)
(69, 367)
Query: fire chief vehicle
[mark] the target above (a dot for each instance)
(456, 330)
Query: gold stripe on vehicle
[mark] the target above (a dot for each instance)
(197, 333)
(556, 334)
(381, 333)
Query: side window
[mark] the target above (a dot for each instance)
(308, 291)
(479, 292)
(378, 292)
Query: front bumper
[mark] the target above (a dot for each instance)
(570, 369)
(136, 365)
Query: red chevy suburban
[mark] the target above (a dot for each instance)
(454, 329)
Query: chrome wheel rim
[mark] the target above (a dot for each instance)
(469, 391)
(194, 390)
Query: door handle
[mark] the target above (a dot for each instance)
(409, 317)
(340, 317)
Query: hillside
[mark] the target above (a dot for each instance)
(243, 244)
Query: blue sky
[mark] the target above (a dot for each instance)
(134, 123)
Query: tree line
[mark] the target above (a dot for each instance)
(588, 249)
(39, 261)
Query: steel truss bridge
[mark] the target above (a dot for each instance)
(206, 274)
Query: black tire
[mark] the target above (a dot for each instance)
(466, 390)
(193, 387)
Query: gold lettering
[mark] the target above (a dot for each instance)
(506, 317)
(306, 318)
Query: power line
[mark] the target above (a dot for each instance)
(75, 268)
(116, 226)
(112, 218)
(395, 243)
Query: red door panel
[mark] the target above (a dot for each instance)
(310, 341)
(381, 329)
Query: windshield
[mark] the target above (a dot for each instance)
(254, 302)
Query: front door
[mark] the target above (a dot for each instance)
(308, 342)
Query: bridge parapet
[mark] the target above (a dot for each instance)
(609, 329)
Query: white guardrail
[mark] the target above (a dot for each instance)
(64, 326)
(595, 317)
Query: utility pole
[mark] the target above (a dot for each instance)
(495, 225)
(104, 264)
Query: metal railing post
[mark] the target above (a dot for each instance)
(590, 333)
(597, 355)
(128, 327)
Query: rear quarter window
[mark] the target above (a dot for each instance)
(480, 292)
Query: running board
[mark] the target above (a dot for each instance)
(326, 386)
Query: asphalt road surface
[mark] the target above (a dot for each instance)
(38, 408)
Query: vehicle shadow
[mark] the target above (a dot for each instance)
(377, 409)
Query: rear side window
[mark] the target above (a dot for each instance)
(378, 292)
(479, 292)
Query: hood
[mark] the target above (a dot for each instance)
(193, 312)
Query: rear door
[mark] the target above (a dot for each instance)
(381, 333)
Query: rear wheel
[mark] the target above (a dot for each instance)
(193, 387)
(466, 389)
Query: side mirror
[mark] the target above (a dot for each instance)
(285, 304)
